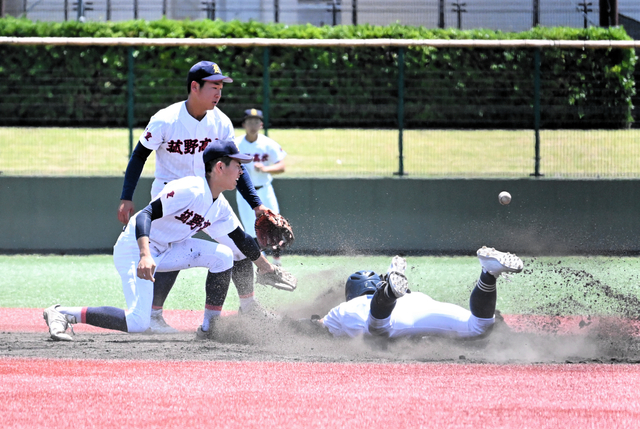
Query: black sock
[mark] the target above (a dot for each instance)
(107, 317)
(382, 303)
(216, 288)
(482, 302)
(242, 276)
(162, 286)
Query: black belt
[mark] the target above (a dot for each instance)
(259, 187)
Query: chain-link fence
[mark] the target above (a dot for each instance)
(512, 15)
(520, 116)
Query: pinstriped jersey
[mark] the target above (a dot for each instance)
(264, 150)
(187, 208)
(179, 140)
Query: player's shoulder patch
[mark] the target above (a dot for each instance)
(171, 194)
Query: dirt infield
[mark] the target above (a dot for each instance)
(517, 339)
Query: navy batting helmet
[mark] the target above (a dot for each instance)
(361, 283)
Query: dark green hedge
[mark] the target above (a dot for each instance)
(318, 87)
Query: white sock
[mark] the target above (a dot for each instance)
(246, 303)
(208, 315)
(72, 311)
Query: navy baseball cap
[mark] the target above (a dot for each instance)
(206, 70)
(253, 113)
(219, 148)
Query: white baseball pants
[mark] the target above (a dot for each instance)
(138, 293)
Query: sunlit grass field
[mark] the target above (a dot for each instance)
(350, 152)
(555, 285)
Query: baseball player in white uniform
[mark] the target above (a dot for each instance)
(268, 159)
(383, 306)
(179, 134)
(159, 239)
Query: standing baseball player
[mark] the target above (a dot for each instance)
(159, 239)
(268, 159)
(383, 306)
(179, 134)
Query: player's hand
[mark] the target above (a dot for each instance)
(260, 210)
(258, 166)
(146, 268)
(125, 210)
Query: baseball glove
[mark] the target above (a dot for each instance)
(273, 231)
(279, 279)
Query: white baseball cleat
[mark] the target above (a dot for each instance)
(398, 283)
(496, 263)
(57, 323)
(395, 276)
(258, 311)
(203, 335)
(210, 333)
(399, 264)
(159, 325)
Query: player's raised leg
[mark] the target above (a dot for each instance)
(482, 302)
(384, 299)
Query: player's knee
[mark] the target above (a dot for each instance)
(223, 260)
(379, 327)
(138, 321)
(480, 327)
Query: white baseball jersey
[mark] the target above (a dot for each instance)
(179, 140)
(415, 314)
(188, 207)
(268, 152)
(264, 150)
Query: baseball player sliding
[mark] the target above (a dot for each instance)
(159, 239)
(268, 159)
(383, 306)
(179, 134)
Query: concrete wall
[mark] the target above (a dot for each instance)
(546, 217)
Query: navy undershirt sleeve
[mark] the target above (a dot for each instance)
(150, 213)
(245, 243)
(246, 189)
(134, 170)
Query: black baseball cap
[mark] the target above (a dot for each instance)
(206, 70)
(252, 113)
(219, 148)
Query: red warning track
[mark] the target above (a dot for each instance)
(134, 394)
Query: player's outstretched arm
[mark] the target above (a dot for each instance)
(261, 209)
(125, 210)
(131, 177)
(268, 274)
(247, 190)
(277, 168)
(146, 265)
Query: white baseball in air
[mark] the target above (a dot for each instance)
(504, 197)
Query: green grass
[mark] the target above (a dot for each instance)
(349, 152)
(568, 285)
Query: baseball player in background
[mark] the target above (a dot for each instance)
(268, 159)
(383, 306)
(179, 134)
(159, 239)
